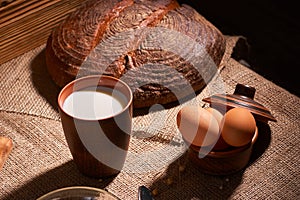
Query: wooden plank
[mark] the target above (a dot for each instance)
(26, 24)
(29, 9)
(14, 8)
(31, 21)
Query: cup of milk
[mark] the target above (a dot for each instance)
(96, 116)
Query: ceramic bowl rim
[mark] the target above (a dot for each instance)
(231, 152)
(70, 188)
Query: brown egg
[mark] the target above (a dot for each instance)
(197, 126)
(218, 115)
(238, 127)
(221, 144)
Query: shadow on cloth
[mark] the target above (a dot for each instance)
(160, 107)
(262, 142)
(184, 180)
(42, 80)
(64, 175)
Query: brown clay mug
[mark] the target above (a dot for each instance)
(96, 115)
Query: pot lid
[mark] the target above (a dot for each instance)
(243, 96)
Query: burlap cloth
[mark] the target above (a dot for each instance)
(41, 162)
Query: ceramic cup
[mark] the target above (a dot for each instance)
(96, 116)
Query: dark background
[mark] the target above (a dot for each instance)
(272, 30)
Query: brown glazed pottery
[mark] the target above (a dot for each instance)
(233, 159)
(99, 147)
(223, 162)
(243, 96)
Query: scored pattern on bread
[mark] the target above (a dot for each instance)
(6, 146)
(164, 51)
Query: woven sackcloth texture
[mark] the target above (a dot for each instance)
(41, 162)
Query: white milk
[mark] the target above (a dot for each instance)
(94, 104)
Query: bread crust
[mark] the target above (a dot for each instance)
(160, 48)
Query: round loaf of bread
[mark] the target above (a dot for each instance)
(164, 51)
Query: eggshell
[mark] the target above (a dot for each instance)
(197, 126)
(217, 114)
(221, 144)
(238, 127)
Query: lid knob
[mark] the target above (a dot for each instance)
(245, 90)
